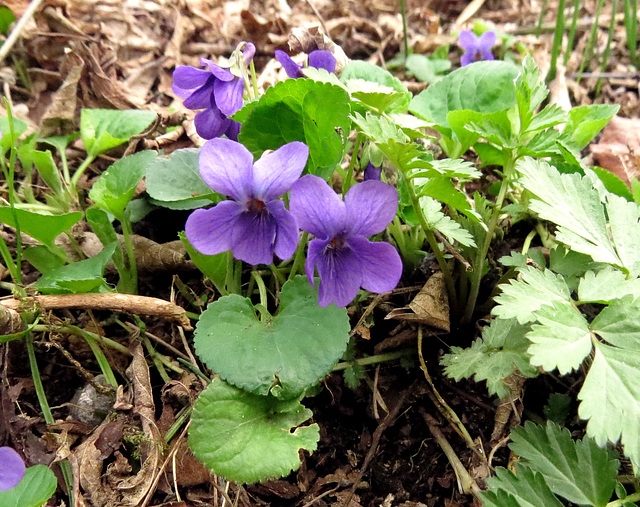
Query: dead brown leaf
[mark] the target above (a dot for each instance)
(618, 150)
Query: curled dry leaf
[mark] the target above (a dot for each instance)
(618, 150)
(430, 306)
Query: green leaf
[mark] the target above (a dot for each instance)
(442, 189)
(569, 263)
(360, 70)
(550, 116)
(175, 179)
(113, 190)
(248, 438)
(376, 96)
(78, 277)
(6, 18)
(60, 142)
(612, 183)
(36, 487)
(485, 87)
(213, 266)
(103, 228)
(586, 121)
(624, 226)
(273, 357)
(610, 399)
(44, 228)
(494, 127)
(561, 338)
(301, 110)
(530, 91)
(557, 407)
(103, 129)
(6, 142)
(437, 220)
(532, 290)
(606, 285)
(425, 69)
(452, 168)
(581, 472)
(40, 258)
(43, 160)
(494, 357)
(525, 488)
(619, 323)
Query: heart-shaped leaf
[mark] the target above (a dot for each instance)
(284, 356)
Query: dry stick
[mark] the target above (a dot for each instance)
(465, 481)
(375, 441)
(139, 305)
(17, 30)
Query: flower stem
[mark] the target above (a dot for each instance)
(262, 290)
(625, 501)
(377, 359)
(481, 255)
(299, 258)
(346, 181)
(130, 284)
(80, 171)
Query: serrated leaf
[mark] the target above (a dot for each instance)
(36, 487)
(610, 399)
(606, 285)
(485, 87)
(581, 472)
(570, 263)
(561, 338)
(494, 357)
(532, 290)
(273, 357)
(301, 110)
(78, 277)
(624, 224)
(103, 129)
(525, 488)
(375, 96)
(248, 438)
(442, 189)
(44, 228)
(530, 91)
(436, 219)
(453, 168)
(619, 323)
(571, 202)
(612, 183)
(586, 121)
(550, 116)
(175, 180)
(113, 190)
(366, 71)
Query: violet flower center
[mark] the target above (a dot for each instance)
(336, 243)
(256, 206)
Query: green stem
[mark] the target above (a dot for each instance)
(75, 330)
(405, 38)
(80, 171)
(346, 182)
(65, 467)
(254, 80)
(102, 360)
(623, 501)
(527, 241)
(10, 175)
(435, 248)
(182, 417)
(155, 357)
(130, 285)
(262, 290)
(481, 256)
(377, 359)
(298, 260)
(276, 272)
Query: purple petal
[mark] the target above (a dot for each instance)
(249, 52)
(372, 172)
(317, 208)
(228, 95)
(468, 40)
(287, 235)
(12, 468)
(253, 237)
(226, 166)
(187, 77)
(322, 59)
(201, 97)
(275, 172)
(290, 67)
(486, 54)
(380, 264)
(339, 271)
(466, 59)
(487, 40)
(211, 124)
(233, 130)
(371, 206)
(210, 230)
(217, 71)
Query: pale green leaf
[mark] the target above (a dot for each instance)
(582, 472)
(273, 357)
(436, 219)
(525, 488)
(532, 290)
(44, 228)
(625, 231)
(561, 338)
(610, 399)
(606, 285)
(442, 189)
(103, 129)
(362, 70)
(619, 323)
(586, 121)
(548, 117)
(248, 438)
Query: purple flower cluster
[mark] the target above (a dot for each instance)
(476, 48)
(215, 90)
(255, 224)
(12, 468)
(320, 59)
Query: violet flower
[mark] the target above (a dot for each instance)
(346, 260)
(372, 172)
(320, 59)
(255, 224)
(215, 90)
(12, 468)
(476, 48)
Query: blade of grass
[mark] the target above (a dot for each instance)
(572, 30)
(631, 27)
(607, 49)
(591, 42)
(557, 41)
